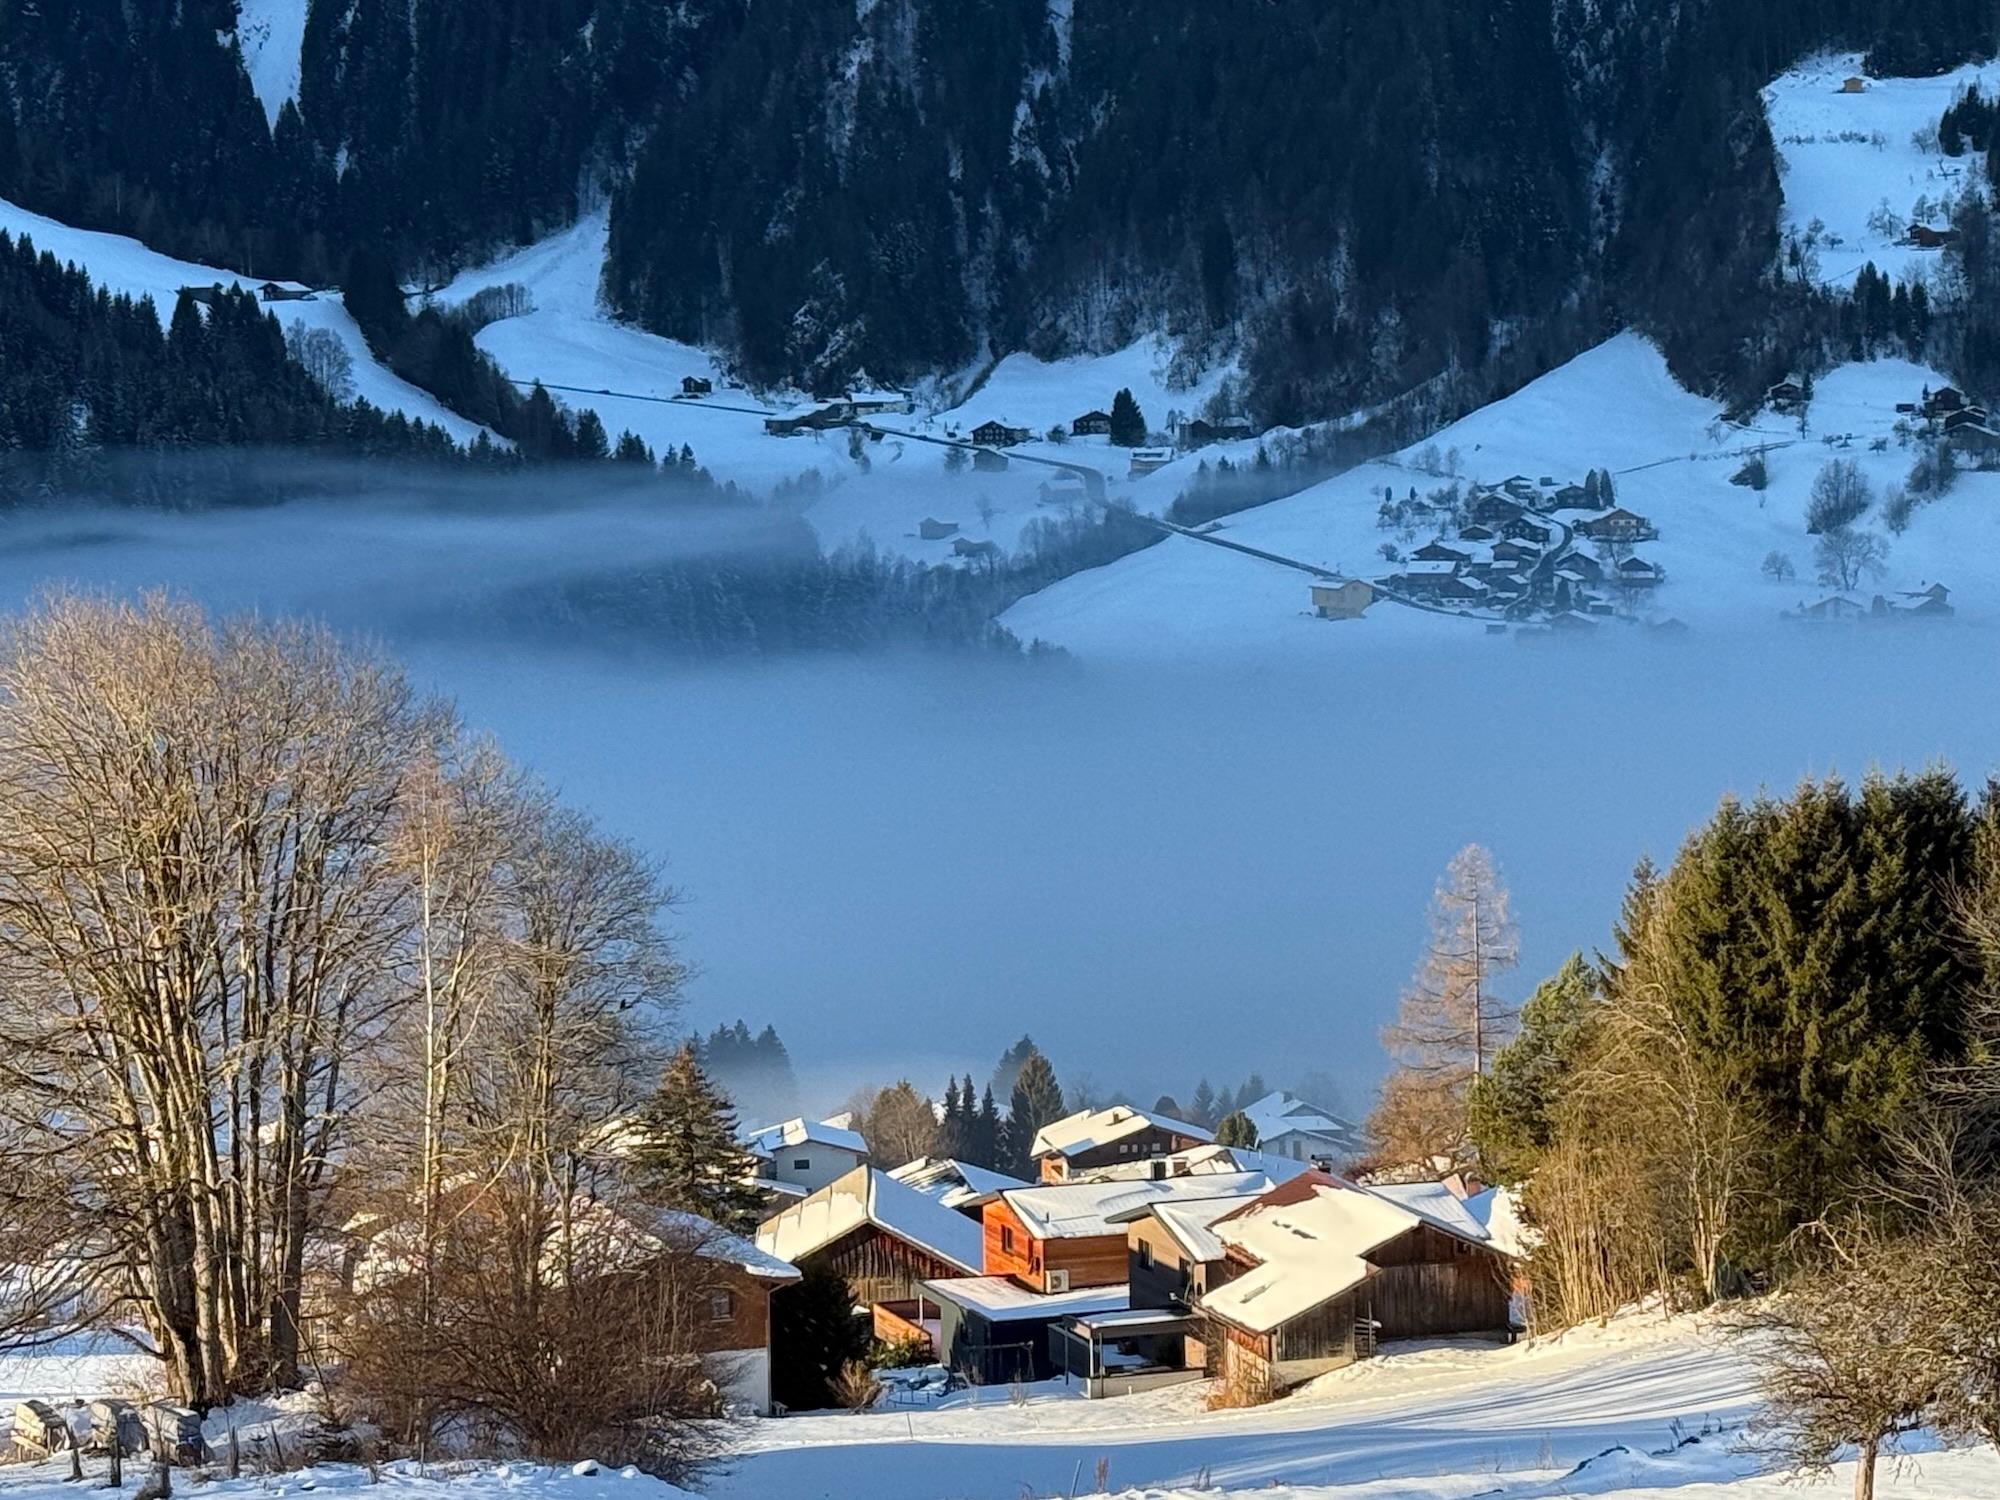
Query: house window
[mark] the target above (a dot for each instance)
(802, 1164)
(722, 1304)
(1006, 1238)
(1145, 1255)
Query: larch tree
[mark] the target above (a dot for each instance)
(1451, 1023)
(900, 1126)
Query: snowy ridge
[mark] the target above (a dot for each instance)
(122, 264)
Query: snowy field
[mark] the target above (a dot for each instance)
(122, 264)
(271, 35)
(1613, 407)
(1845, 158)
(568, 340)
(1641, 1409)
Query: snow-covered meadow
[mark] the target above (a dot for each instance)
(1643, 1408)
(1857, 165)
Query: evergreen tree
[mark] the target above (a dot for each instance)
(1254, 1088)
(814, 1331)
(1224, 1106)
(1008, 1070)
(691, 1160)
(1512, 1116)
(1037, 1101)
(988, 1132)
(1128, 423)
(1236, 1130)
(1202, 1105)
(1167, 1105)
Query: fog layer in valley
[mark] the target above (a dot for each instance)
(906, 861)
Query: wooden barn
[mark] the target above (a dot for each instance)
(1316, 1272)
(884, 1236)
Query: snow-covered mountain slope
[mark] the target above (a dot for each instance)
(632, 379)
(271, 35)
(1615, 407)
(122, 264)
(1864, 166)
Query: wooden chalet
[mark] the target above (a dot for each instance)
(998, 435)
(936, 531)
(1145, 461)
(1199, 433)
(272, 291)
(1940, 403)
(1060, 1237)
(1787, 395)
(1926, 238)
(696, 385)
(978, 548)
(884, 1236)
(1091, 424)
(1617, 525)
(207, 296)
(1854, 83)
(1104, 1137)
(1494, 509)
(1313, 1274)
(1439, 550)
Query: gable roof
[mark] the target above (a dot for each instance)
(1309, 1240)
(712, 1242)
(1191, 1224)
(999, 1299)
(770, 1139)
(954, 1183)
(1088, 1129)
(867, 1196)
(1084, 1210)
(1278, 1112)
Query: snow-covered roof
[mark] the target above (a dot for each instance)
(1081, 1210)
(1310, 1240)
(1308, 1245)
(1000, 1300)
(1192, 1224)
(868, 1196)
(956, 1184)
(712, 1242)
(1279, 1112)
(769, 1139)
(1088, 1129)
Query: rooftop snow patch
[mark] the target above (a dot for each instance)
(1000, 1300)
(1068, 1211)
(868, 1196)
(1308, 1252)
(768, 1139)
(1088, 1129)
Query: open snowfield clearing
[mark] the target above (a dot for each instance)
(122, 264)
(272, 34)
(1845, 157)
(1600, 1411)
(568, 340)
(1616, 407)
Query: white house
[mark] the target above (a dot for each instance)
(1289, 1126)
(802, 1156)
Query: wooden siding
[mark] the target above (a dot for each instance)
(879, 1266)
(1096, 1260)
(748, 1325)
(1144, 1146)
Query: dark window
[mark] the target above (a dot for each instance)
(1145, 1255)
(1006, 1238)
(802, 1164)
(722, 1304)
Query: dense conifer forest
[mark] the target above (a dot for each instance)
(1362, 197)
